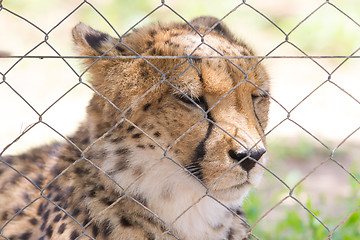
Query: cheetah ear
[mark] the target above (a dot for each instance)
(90, 42)
(207, 22)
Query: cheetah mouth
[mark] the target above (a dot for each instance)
(239, 186)
(239, 183)
(231, 183)
(232, 193)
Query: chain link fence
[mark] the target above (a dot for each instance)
(314, 95)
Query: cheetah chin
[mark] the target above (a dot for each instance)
(172, 142)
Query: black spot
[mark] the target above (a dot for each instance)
(144, 73)
(62, 228)
(153, 51)
(149, 44)
(137, 135)
(121, 165)
(138, 171)
(86, 221)
(40, 209)
(230, 234)
(48, 196)
(43, 226)
(165, 29)
(108, 135)
(47, 203)
(160, 52)
(56, 171)
(57, 217)
(143, 64)
(56, 188)
(219, 28)
(25, 236)
(68, 191)
(33, 221)
(107, 228)
(197, 60)
(40, 179)
(15, 179)
(49, 231)
(122, 151)
(118, 139)
(244, 53)
(240, 212)
(45, 217)
(141, 199)
(130, 128)
(152, 33)
(151, 146)
(75, 213)
(95, 40)
(56, 209)
(57, 198)
(92, 193)
(100, 188)
(157, 134)
(146, 106)
(150, 236)
(107, 201)
(121, 49)
(125, 222)
(9, 160)
(74, 235)
(95, 230)
(82, 197)
(65, 206)
(85, 141)
(18, 210)
(100, 134)
(140, 146)
(81, 171)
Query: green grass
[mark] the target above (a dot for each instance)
(290, 220)
(294, 224)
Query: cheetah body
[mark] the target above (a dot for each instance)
(158, 156)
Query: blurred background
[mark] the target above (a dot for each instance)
(315, 111)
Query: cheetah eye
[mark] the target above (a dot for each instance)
(185, 99)
(260, 96)
(191, 101)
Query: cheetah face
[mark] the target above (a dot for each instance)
(227, 114)
(199, 118)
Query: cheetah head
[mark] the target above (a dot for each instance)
(177, 108)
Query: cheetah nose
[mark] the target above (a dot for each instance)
(247, 159)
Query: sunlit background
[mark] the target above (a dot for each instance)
(316, 100)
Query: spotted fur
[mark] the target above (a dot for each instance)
(168, 150)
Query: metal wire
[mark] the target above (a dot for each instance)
(164, 79)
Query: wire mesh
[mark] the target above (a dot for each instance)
(41, 111)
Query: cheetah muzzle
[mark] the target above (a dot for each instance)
(172, 141)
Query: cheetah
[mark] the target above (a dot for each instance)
(172, 142)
